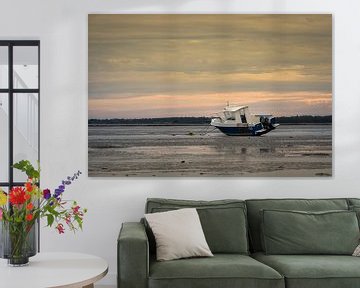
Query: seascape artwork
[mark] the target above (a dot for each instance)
(244, 95)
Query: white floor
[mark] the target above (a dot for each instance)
(104, 286)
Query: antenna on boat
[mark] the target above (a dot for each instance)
(227, 103)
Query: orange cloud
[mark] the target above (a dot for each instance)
(286, 103)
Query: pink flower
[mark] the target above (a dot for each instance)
(60, 228)
(68, 219)
(1, 212)
(76, 210)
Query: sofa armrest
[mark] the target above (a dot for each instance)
(133, 256)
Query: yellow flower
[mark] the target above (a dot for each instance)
(3, 198)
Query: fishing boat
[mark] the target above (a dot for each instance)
(237, 121)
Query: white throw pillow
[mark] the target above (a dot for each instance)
(178, 234)
(357, 251)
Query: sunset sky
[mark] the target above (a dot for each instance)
(191, 65)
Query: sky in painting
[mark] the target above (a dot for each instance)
(191, 65)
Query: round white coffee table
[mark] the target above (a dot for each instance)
(60, 270)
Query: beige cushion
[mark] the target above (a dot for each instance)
(357, 251)
(178, 234)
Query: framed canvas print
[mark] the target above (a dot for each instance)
(210, 95)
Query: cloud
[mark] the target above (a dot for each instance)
(160, 105)
(147, 55)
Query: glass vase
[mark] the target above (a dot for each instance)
(18, 242)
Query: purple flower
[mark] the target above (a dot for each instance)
(46, 194)
(64, 183)
(58, 192)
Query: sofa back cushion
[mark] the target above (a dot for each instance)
(223, 221)
(255, 206)
(354, 205)
(298, 232)
(353, 201)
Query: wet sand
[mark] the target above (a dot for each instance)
(288, 151)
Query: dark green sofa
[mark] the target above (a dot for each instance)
(232, 230)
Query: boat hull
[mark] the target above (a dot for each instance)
(236, 131)
(256, 130)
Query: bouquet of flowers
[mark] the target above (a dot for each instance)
(23, 206)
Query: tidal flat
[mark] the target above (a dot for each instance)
(141, 151)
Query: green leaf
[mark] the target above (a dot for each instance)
(79, 221)
(50, 219)
(53, 211)
(26, 167)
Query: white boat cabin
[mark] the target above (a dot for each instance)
(238, 114)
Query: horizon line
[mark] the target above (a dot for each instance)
(299, 115)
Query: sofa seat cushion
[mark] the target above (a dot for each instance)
(222, 270)
(313, 271)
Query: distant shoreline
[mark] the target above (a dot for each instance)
(155, 125)
(202, 121)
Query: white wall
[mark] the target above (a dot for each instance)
(61, 25)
